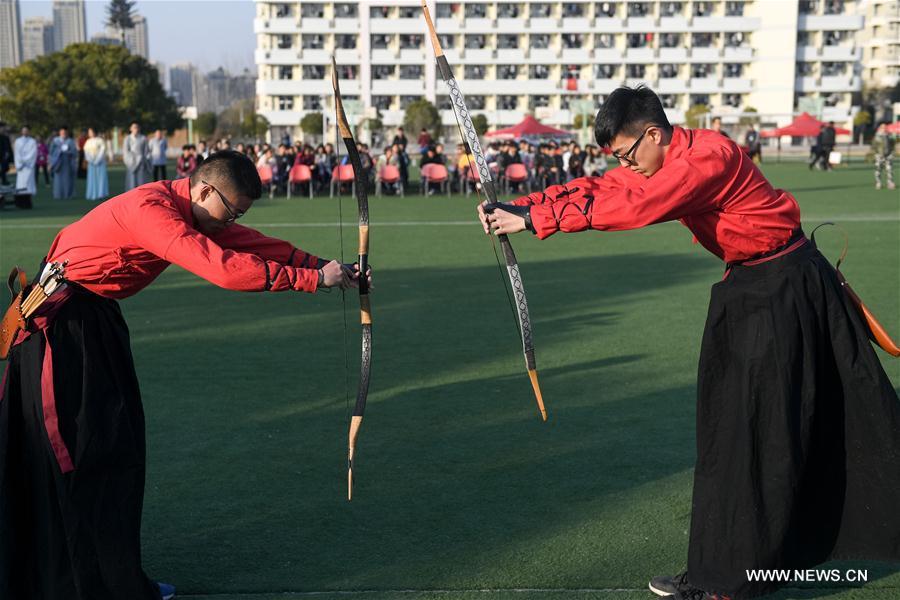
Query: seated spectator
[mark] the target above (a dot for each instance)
(424, 140)
(388, 158)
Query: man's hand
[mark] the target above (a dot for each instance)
(334, 274)
(500, 221)
(354, 274)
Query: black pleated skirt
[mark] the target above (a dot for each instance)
(72, 459)
(798, 430)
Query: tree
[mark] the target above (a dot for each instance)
(749, 119)
(120, 15)
(583, 120)
(422, 114)
(862, 118)
(693, 115)
(480, 123)
(206, 124)
(254, 126)
(312, 123)
(87, 85)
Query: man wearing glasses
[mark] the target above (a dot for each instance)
(798, 426)
(72, 446)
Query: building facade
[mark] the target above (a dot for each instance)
(554, 58)
(37, 38)
(136, 38)
(881, 44)
(183, 80)
(69, 23)
(10, 34)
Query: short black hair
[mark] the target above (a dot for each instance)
(629, 111)
(233, 167)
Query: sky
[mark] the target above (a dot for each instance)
(208, 33)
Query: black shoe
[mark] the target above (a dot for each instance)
(668, 586)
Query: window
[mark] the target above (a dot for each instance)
(572, 40)
(668, 71)
(606, 10)
(382, 102)
(285, 103)
(380, 42)
(539, 41)
(282, 11)
(476, 11)
(507, 102)
(605, 71)
(804, 38)
(669, 100)
(507, 42)
(411, 72)
(410, 12)
(703, 40)
(345, 41)
(284, 41)
(734, 69)
(379, 12)
(476, 102)
(443, 103)
(383, 71)
(832, 99)
(699, 99)
(702, 70)
(636, 71)
(539, 10)
(734, 39)
(834, 38)
(405, 101)
(638, 40)
(733, 100)
(312, 11)
(538, 101)
(313, 42)
(508, 11)
(285, 72)
(475, 41)
(447, 40)
(809, 7)
(604, 40)
(669, 40)
(507, 71)
(348, 72)
(806, 69)
(474, 71)
(671, 9)
(834, 69)
(313, 71)
(702, 9)
(312, 103)
(346, 10)
(573, 10)
(573, 72)
(734, 9)
(539, 72)
(638, 9)
(410, 41)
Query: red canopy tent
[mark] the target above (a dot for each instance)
(804, 125)
(893, 127)
(529, 127)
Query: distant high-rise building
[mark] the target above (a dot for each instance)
(183, 81)
(163, 74)
(69, 23)
(219, 89)
(106, 39)
(10, 34)
(136, 37)
(37, 38)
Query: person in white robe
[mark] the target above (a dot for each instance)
(136, 155)
(95, 154)
(25, 151)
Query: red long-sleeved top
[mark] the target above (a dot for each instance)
(120, 247)
(706, 181)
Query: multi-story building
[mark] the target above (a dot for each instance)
(184, 81)
(881, 44)
(549, 58)
(37, 37)
(10, 34)
(136, 39)
(69, 23)
(218, 90)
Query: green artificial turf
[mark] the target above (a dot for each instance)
(461, 492)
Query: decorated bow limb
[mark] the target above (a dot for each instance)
(470, 137)
(365, 311)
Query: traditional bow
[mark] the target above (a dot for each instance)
(470, 137)
(362, 199)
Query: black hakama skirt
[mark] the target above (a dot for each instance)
(798, 430)
(72, 459)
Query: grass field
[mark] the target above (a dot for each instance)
(462, 492)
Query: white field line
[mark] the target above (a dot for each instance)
(419, 591)
(873, 218)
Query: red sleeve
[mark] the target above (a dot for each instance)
(159, 228)
(245, 239)
(621, 199)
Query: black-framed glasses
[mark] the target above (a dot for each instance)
(628, 158)
(233, 213)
